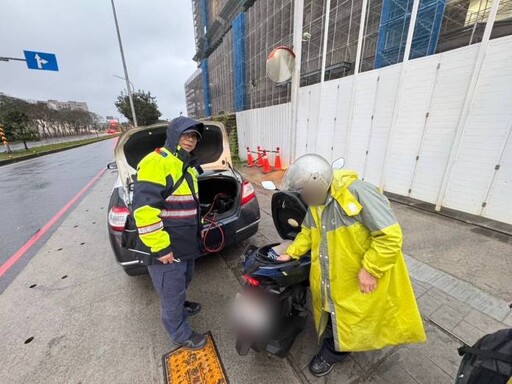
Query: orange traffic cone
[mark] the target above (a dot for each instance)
(277, 161)
(250, 160)
(260, 157)
(266, 165)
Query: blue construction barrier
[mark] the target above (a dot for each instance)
(394, 24)
(238, 26)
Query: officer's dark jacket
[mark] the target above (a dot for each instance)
(168, 222)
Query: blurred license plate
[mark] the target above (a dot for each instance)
(251, 312)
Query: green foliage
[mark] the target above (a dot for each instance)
(49, 122)
(146, 108)
(229, 122)
(17, 126)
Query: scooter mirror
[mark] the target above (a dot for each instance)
(339, 163)
(269, 185)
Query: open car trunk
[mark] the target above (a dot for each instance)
(217, 195)
(212, 150)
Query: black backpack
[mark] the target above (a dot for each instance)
(489, 361)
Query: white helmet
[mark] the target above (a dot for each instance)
(311, 176)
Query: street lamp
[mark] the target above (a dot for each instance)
(131, 84)
(124, 66)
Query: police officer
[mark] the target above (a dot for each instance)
(166, 211)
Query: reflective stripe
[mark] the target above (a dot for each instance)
(180, 198)
(178, 213)
(150, 228)
(377, 213)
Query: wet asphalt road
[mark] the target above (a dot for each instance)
(33, 191)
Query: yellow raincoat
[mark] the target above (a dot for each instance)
(356, 229)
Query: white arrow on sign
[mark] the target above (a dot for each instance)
(40, 62)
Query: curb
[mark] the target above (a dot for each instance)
(34, 155)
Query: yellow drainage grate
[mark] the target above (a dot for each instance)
(183, 366)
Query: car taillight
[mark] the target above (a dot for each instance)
(251, 281)
(248, 192)
(117, 218)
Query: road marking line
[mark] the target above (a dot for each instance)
(20, 252)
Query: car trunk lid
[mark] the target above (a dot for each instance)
(133, 145)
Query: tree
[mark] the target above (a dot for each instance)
(145, 105)
(17, 123)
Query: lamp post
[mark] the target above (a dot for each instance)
(124, 66)
(131, 84)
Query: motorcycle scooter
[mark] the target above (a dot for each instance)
(271, 310)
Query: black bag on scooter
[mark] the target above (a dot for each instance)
(489, 361)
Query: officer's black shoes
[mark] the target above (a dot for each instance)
(192, 308)
(319, 367)
(195, 342)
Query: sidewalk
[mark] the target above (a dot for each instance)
(454, 310)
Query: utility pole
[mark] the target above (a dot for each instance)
(130, 97)
(298, 14)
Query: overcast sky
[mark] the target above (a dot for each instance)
(158, 41)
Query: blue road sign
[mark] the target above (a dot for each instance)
(41, 60)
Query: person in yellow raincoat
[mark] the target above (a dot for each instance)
(361, 293)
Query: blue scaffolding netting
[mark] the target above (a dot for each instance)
(238, 26)
(394, 24)
(204, 64)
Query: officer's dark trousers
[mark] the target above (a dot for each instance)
(328, 350)
(171, 282)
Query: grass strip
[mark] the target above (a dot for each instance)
(50, 148)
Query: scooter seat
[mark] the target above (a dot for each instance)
(288, 264)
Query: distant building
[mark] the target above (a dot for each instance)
(194, 95)
(71, 105)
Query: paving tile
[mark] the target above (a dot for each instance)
(483, 322)
(423, 370)
(418, 290)
(370, 359)
(492, 306)
(421, 283)
(451, 301)
(390, 372)
(429, 303)
(440, 348)
(467, 332)
(447, 317)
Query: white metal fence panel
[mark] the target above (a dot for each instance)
(342, 117)
(363, 108)
(499, 202)
(327, 119)
(303, 108)
(485, 132)
(412, 115)
(447, 101)
(381, 122)
(268, 127)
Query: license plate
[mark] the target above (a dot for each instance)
(252, 313)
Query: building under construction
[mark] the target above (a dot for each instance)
(234, 37)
